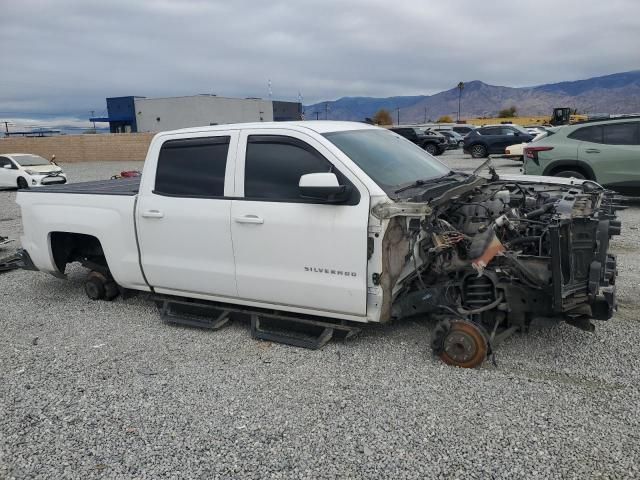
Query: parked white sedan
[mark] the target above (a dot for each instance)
(516, 151)
(24, 170)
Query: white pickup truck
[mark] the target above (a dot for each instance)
(338, 222)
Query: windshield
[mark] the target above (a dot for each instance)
(30, 160)
(390, 160)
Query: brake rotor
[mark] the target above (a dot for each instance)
(464, 345)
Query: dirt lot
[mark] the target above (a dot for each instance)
(105, 390)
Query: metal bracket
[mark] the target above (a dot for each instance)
(396, 209)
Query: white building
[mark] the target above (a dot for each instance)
(141, 114)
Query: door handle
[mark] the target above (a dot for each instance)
(249, 219)
(152, 214)
(592, 150)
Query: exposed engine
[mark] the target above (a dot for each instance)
(504, 254)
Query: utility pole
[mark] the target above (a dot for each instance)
(398, 111)
(317, 115)
(425, 114)
(6, 129)
(460, 87)
(94, 122)
(326, 110)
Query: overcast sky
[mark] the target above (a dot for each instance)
(65, 56)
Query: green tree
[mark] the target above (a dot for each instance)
(382, 117)
(445, 119)
(512, 111)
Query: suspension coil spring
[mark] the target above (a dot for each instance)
(478, 291)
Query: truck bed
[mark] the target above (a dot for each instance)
(121, 186)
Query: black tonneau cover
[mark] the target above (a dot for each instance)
(120, 186)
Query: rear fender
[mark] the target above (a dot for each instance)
(569, 164)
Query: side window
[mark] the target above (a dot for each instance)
(274, 165)
(192, 167)
(4, 161)
(621, 134)
(507, 131)
(489, 131)
(588, 134)
(406, 132)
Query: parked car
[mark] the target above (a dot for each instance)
(493, 139)
(463, 130)
(516, 151)
(24, 170)
(535, 130)
(331, 225)
(433, 143)
(455, 139)
(452, 143)
(607, 151)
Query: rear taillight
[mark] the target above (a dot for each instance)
(532, 152)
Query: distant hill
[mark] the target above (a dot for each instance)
(616, 93)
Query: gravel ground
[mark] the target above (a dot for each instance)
(105, 390)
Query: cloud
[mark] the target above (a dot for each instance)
(65, 57)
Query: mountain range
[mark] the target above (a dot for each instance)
(615, 93)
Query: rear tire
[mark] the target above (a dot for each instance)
(111, 290)
(431, 149)
(569, 174)
(94, 287)
(478, 151)
(22, 184)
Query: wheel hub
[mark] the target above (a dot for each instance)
(460, 343)
(460, 347)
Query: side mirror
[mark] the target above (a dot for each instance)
(323, 187)
(7, 166)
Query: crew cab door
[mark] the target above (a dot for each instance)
(291, 250)
(183, 216)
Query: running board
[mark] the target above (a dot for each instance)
(303, 331)
(193, 314)
(11, 263)
(260, 330)
(287, 330)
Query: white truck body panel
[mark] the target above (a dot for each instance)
(185, 243)
(293, 256)
(111, 222)
(301, 254)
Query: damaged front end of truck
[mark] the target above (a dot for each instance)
(488, 257)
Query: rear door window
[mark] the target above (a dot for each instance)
(193, 167)
(507, 131)
(621, 134)
(490, 131)
(591, 134)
